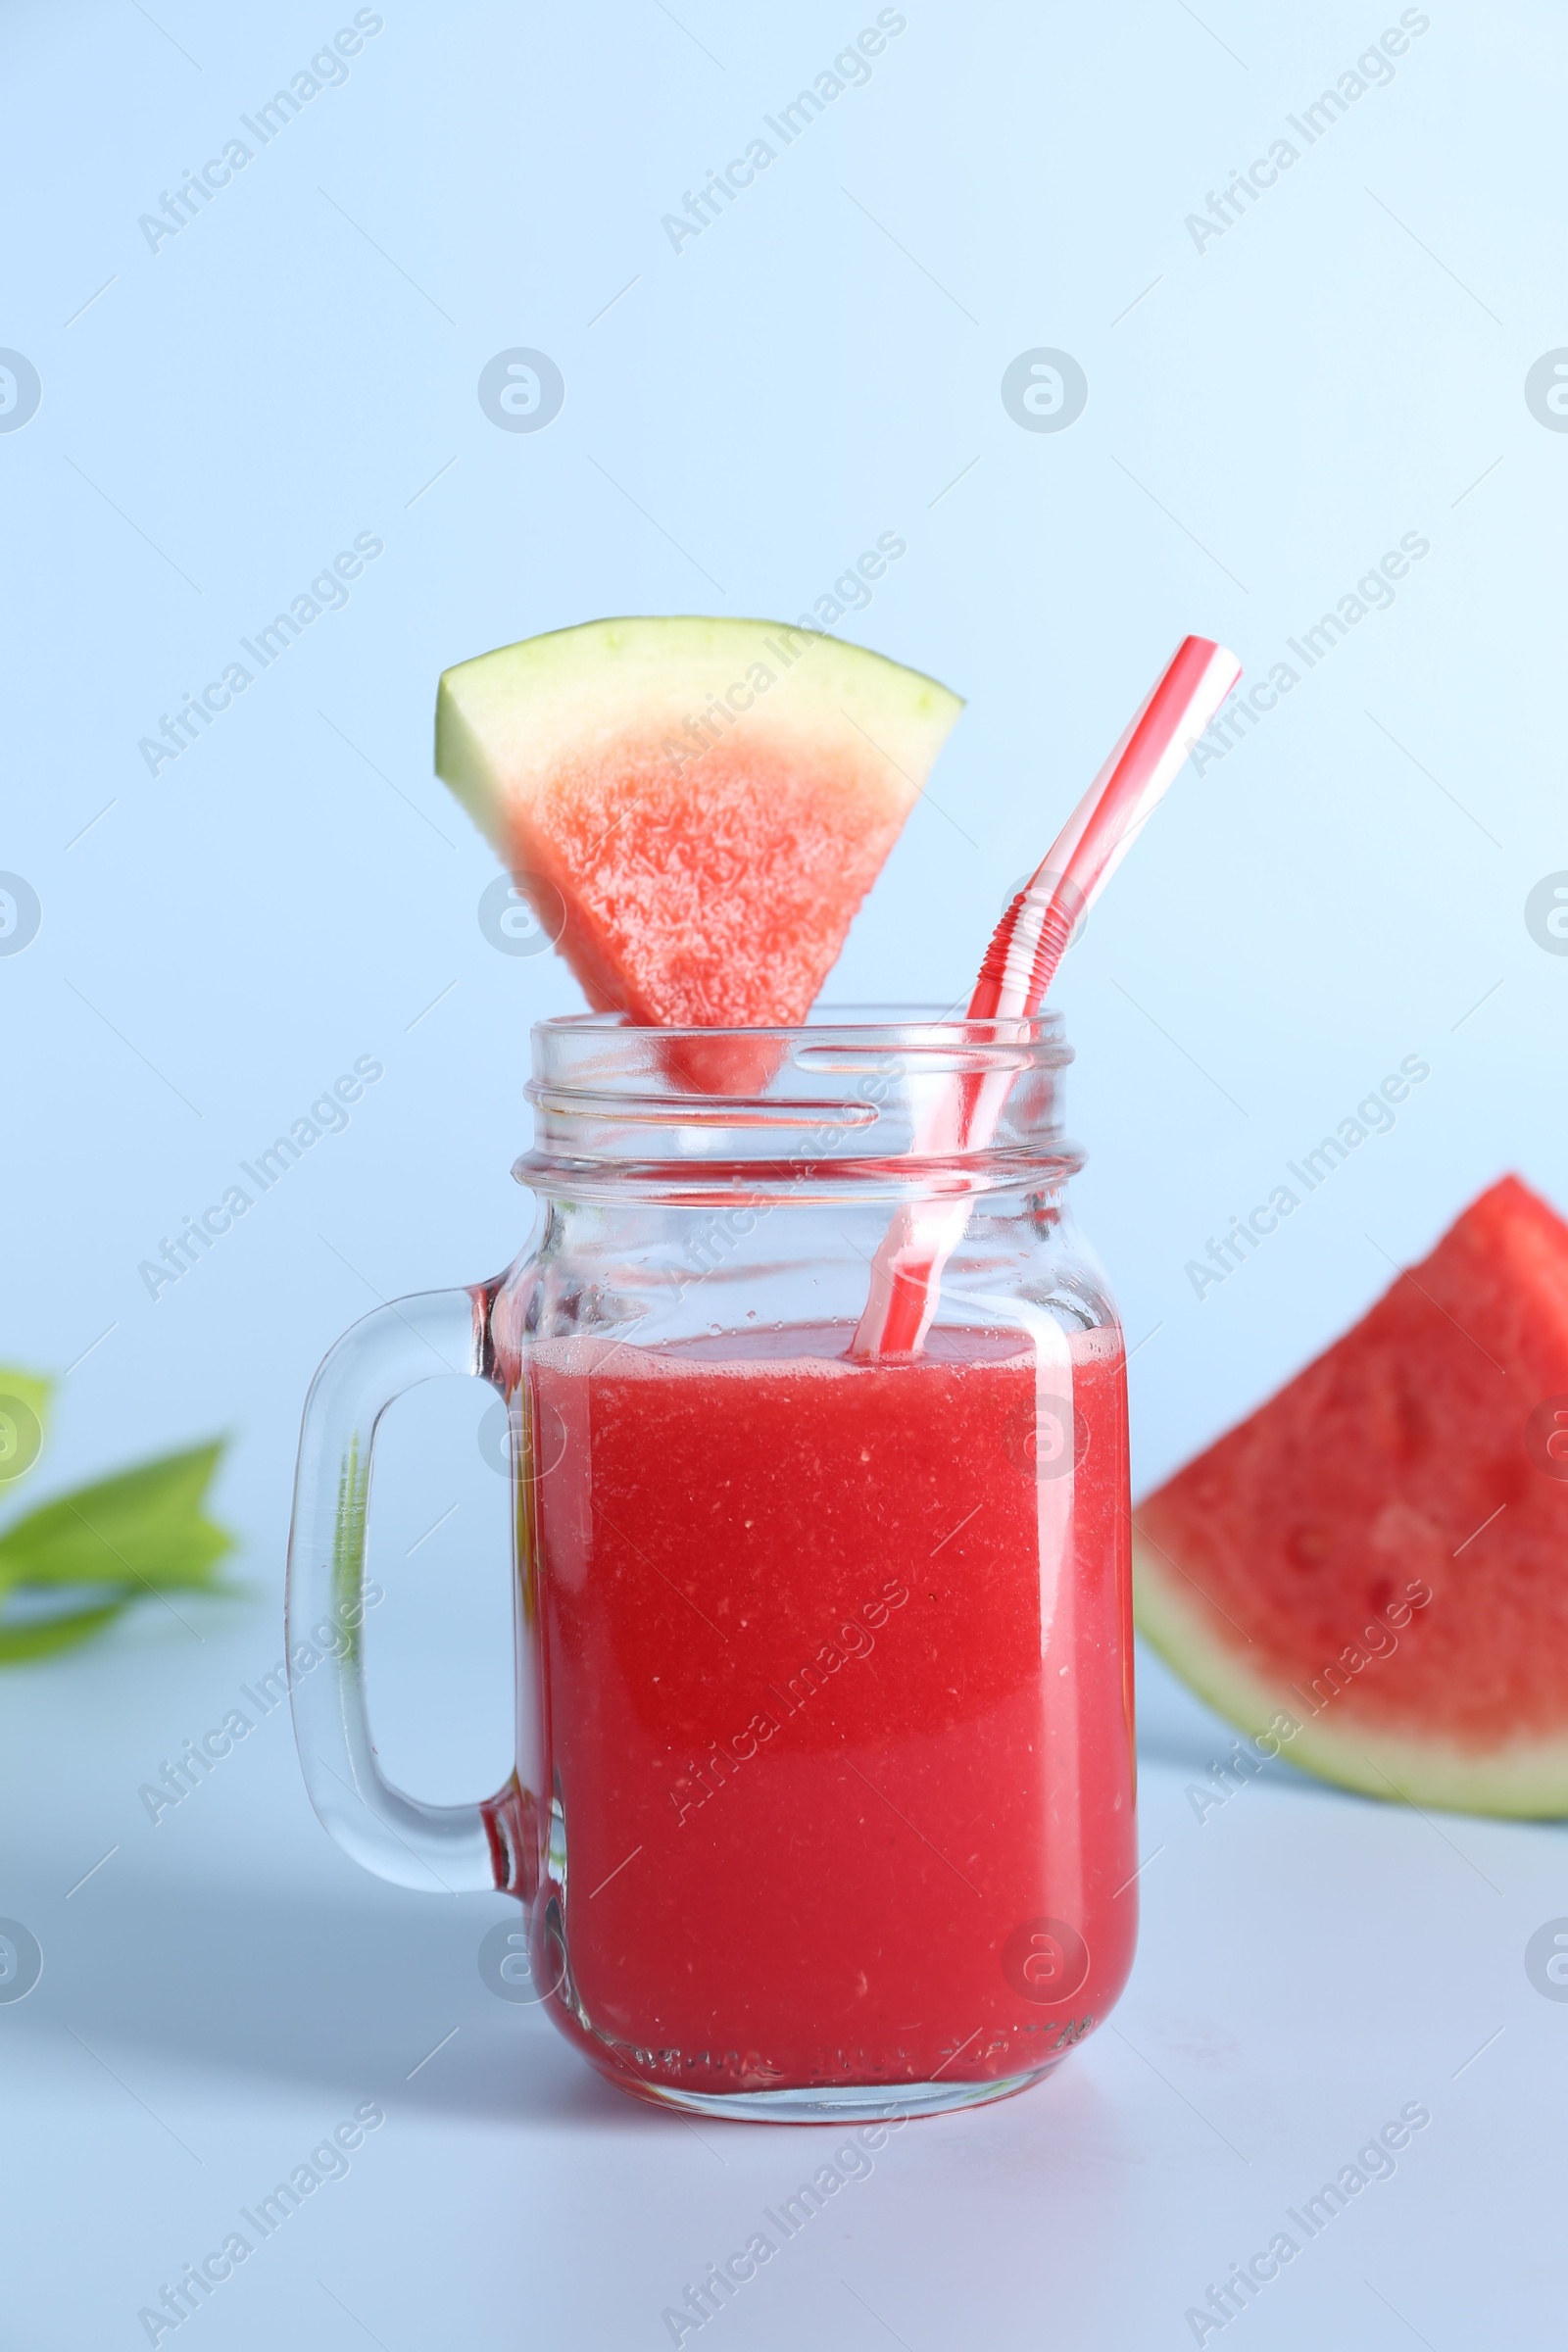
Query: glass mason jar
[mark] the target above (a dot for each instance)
(824, 1805)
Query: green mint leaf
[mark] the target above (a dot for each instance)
(45, 1638)
(145, 1529)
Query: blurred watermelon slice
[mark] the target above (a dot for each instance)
(1379, 1553)
(695, 808)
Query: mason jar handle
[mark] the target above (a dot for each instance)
(456, 1849)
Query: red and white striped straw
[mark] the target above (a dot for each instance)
(1020, 964)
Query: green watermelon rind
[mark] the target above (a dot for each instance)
(1525, 1781)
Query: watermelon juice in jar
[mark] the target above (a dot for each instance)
(824, 1799)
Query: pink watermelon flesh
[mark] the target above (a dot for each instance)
(714, 899)
(1381, 1551)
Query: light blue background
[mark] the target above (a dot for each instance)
(1265, 418)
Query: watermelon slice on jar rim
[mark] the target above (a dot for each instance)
(694, 808)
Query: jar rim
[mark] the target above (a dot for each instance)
(1035, 1029)
(843, 1099)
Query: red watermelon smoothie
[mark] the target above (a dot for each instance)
(836, 1706)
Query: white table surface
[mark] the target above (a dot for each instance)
(226, 1988)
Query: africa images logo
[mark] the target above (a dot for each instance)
(521, 390)
(1045, 390)
(21, 391)
(1546, 390)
